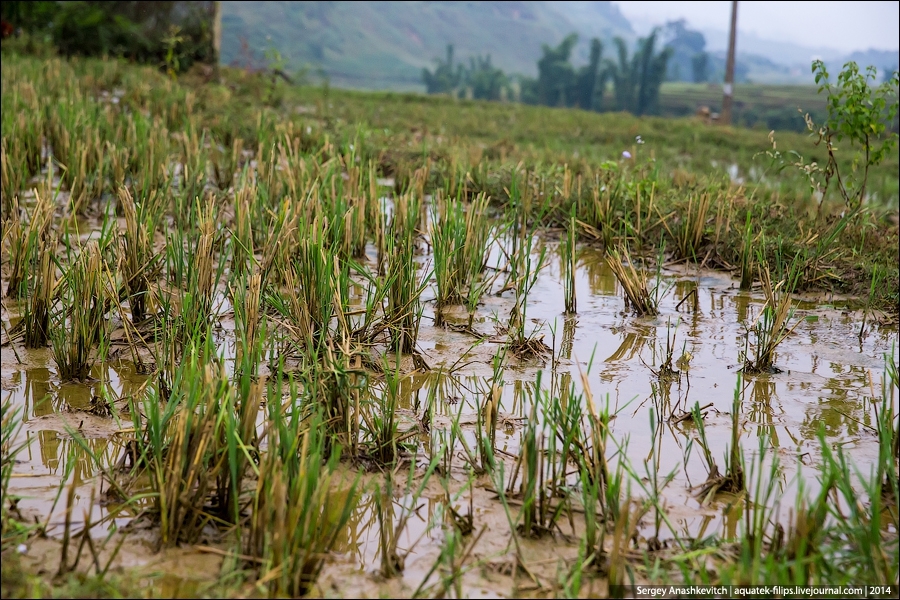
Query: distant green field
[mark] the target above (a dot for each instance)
(755, 105)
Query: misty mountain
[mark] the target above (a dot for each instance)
(883, 60)
(386, 44)
(792, 61)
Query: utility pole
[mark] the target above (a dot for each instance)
(728, 88)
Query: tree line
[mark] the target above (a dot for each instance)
(630, 82)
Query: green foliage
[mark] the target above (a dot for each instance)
(560, 84)
(85, 28)
(79, 325)
(29, 16)
(689, 59)
(11, 445)
(859, 113)
(486, 81)
(556, 76)
(404, 310)
(134, 30)
(637, 81)
(445, 79)
(204, 465)
(481, 80)
(590, 82)
(171, 41)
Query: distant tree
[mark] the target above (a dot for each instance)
(556, 76)
(637, 81)
(486, 81)
(653, 73)
(887, 73)
(686, 44)
(481, 80)
(588, 77)
(621, 74)
(559, 83)
(445, 79)
(528, 90)
(699, 66)
(645, 60)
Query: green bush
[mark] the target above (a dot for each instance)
(173, 35)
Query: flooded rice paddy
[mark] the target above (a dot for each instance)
(254, 351)
(829, 377)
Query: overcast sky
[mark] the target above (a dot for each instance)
(845, 26)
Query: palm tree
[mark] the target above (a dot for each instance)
(637, 81)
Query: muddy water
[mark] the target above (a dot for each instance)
(52, 412)
(830, 378)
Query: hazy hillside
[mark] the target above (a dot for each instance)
(767, 61)
(883, 60)
(385, 45)
(792, 60)
(381, 45)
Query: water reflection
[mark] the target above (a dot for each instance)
(841, 408)
(600, 277)
(60, 454)
(377, 512)
(53, 460)
(37, 392)
(761, 410)
(633, 342)
(827, 383)
(569, 325)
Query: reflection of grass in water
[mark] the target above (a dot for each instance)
(761, 410)
(89, 455)
(631, 346)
